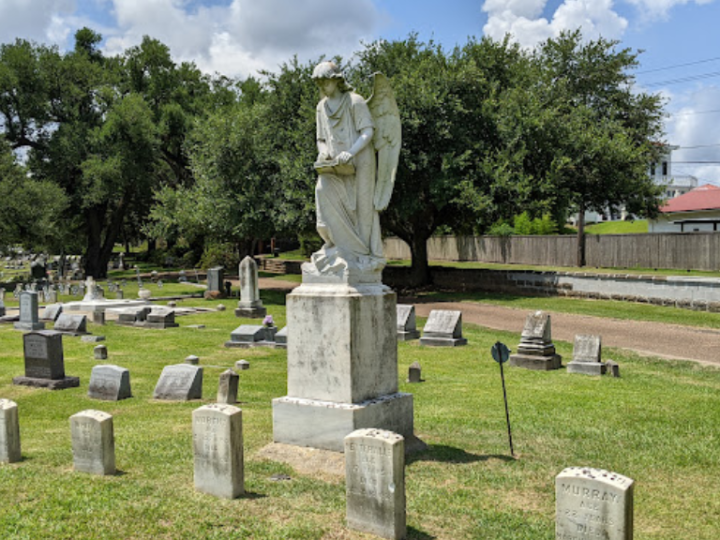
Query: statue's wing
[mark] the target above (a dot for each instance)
(387, 138)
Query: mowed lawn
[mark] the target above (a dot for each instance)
(658, 424)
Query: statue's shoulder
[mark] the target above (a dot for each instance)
(357, 99)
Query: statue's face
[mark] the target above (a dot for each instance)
(327, 86)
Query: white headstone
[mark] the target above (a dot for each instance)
(593, 504)
(180, 382)
(9, 432)
(93, 442)
(218, 450)
(587, 348)
(443, 328)
(110, 383)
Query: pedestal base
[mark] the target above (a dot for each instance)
(442, 342)
(587, 368)
(408, 336)
(249, 344)
(324, 424)
(251, 313)
(538, 363)
(29, 327)
(51, 384)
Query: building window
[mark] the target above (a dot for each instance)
(652, 170)
(665, 168)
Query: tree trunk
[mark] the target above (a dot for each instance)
(581, 236)
(419, 268)
(93, 267)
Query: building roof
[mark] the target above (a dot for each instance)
(705, 197)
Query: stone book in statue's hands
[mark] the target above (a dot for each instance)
(333, 166)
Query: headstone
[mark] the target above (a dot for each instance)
(73, 325)
(192, 360)
(100, 352)
(51, 295)
(375, 482)
(592, 504)
(109, 383)
(44, 362)
(99, 317)
(443, 329)
(536, 350)
(248, 335)
(415, 373)
(29, 312)
(587, 356)
(406, 328)
(221, 307)
(218, 450)
(161, 318)
(172, 304)
(93, 442)
(38, 270)
(9, 432)
(242, 365)
(228, 387)
(250, 304)
(180, 382)
(281, 338)
(182, 276)
(3, 312)
(613, 368)
(52, 312)
(92, 339)
(215, 278)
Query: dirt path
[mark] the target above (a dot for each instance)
(672, 341)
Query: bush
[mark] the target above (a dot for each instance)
(223, 254)
(309, 243)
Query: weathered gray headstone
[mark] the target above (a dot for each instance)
(406, 326)
(228, 387)
(93, 442)
(613, 368)
(52, 312)
(218, 450)
(29, 319)
(74, 325)
(250, 304)
(161, 318)
(281, 338)
(215, 278)
(443, 329)
(587, 356)
(221, 307)
(110, 383)
(593, 504)
(415, 373)
(9, 432)
(249, 335)
(536, 350)
(99, 317)
(192, 360)
(44, 362)
(375, 482)
(242, 365)
(100, 352)
(92, 339)
(181, 382)
(3, 312)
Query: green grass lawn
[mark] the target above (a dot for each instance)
(639, 226)
(657, 424)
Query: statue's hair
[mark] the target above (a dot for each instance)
(330, 70)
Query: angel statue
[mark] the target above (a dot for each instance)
(353, 183)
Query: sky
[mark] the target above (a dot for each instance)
(679, 39)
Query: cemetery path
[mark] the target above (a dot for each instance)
(672, 341)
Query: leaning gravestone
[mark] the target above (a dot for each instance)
(593, 504)
(52, 312)
(443, 329)
(587, 356)
(73, 325)
(29, 312)
(218, 450)
(109, 383)
(9, 432)
(181, 382)
(228, 387)
(536, 350)
(93, 442)
(375, 482)
(44, 362)
(406, 329)
(250, 304)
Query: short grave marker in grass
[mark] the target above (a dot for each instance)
(73, 325)
(228, 387)
(250, 304)
(100, 352)
(29, 319)
(9, 432)
(93, 442)
(109, 383)
(536, 350)
(406, 329)
(443, 329)
(587, 356)
(218, 450)
(415, 373)
(45, 362)
(593, 503)
(181, 382)
(52, 312)
(375, 482)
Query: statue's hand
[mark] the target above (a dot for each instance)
(344, 157)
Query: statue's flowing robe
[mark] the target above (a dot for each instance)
(346, 217)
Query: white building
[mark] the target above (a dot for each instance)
(697, 210)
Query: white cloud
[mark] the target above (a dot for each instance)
(522, 19)
(660, 8)
(39, 20)
(696, 130)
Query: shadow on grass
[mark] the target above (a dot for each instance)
(414, 534)
(252, 495)
(450, 454)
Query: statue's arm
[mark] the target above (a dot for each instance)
(362, 141)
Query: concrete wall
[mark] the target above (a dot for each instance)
(694, 251)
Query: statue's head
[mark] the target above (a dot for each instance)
(330, 71)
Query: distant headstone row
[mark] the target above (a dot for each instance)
(442, 329)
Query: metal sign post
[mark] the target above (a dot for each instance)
(501, 354)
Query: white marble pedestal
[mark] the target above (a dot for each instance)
(342, 366)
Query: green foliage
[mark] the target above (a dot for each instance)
(501, 228)
(523, 224)
(218, 254)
